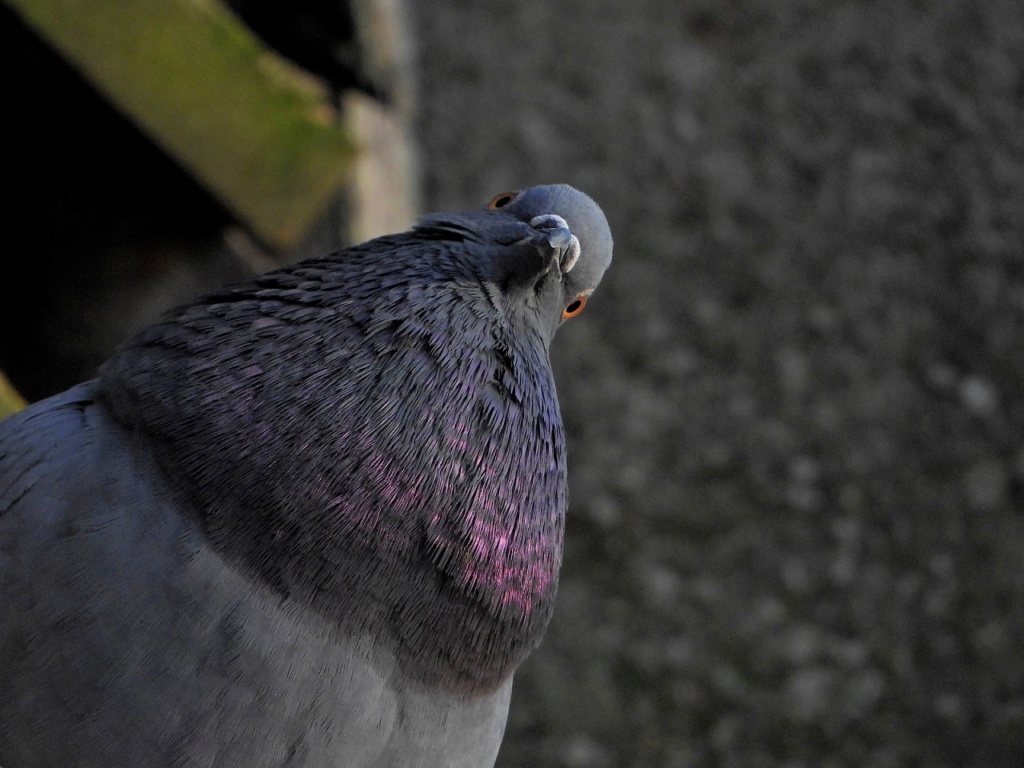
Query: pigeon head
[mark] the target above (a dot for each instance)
(545, 247)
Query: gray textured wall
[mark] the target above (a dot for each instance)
(797, 528)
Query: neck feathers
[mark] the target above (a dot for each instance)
(382, 449)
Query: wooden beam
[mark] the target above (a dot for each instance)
(258, 132)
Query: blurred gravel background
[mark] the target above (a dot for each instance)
(795, 405)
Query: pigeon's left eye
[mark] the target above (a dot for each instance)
(500, 201)
(574, 307)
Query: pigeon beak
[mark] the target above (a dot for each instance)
(570, 256)
(564, 244)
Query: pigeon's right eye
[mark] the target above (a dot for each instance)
(500, 201)
(575, 306)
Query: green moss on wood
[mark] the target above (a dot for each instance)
(254, 129)
(10, 400)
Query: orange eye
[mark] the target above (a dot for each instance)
(500, 201)
(575, 306)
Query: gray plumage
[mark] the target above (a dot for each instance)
(314, 519)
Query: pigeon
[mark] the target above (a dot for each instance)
(312, 519)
